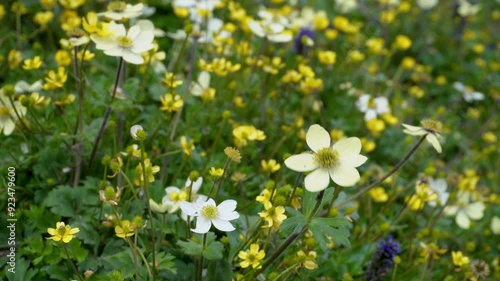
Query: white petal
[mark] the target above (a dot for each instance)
(223, 225)
(462, 220)
(475, 210)
(134, 32)
(414, 130)
(197, 184)
(362, 102)
(370, 114)
(228, 216)
(204, 79)
(276, 28)
(227, 206)
(303, 162)
(256, 28)
(450, 210)
(344, 175)
(317, 138)
(202, 225)
(280, 38)
(382, 104)
(317, 180)
(353, 160)
(131, 57)
(458, 86)
(196, 89)
(434, 141)
(171, 189)
(118, 29)
(348, 146)
(478, 96)
(189, 208)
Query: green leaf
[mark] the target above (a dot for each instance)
(190, 247)
(165, 262)
(219, 271)
(295, 221)
(214, 251)
(21, 271)
(336, 228)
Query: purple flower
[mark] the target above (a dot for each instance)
(298, 41)
(383, 259)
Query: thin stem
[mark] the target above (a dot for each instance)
(199, 268)
(390, 173)
(299, 176)
(72, 264)
(78, 148)
(134, 255)
(145, 187)
(106, 115)
(222, 177)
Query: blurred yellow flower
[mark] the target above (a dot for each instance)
(459, 259)
(252, 257)
(171, 103)
(272, 216)
(378, 194)
(125, 229)
(34, 63)
(327, 57)
(270, 166)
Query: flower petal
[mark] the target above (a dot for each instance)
(189, 208)
(317, 138)
(432, 138)
(202, 225)
(227, 206)
(303, 162)
(344, 175)
(348, 146)
(317, 180)
(475, 210)
(353, 160)
(223, 225)
(462, 220)
(228, 216)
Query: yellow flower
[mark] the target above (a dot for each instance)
(69, 20)
(402, 42)
(355, 56)
(408, 63)
(48, 4)
(170, 80)
(125, 229)
(308, 261)
(71, 4)
(310, 85)
(187, 146)
(264, 197)
(55, 80)
(2, 11)
(270, 166)
(233, 154)
(62, 232)
(150, 171)
(430, 251)
(216, 172)
(375, 45)
(468, 181)
(35, 100)
(245, 133)
(92, 25)
(327, 57)
(273, 216)
(459, 259)
(252, 257)
(43, 18)
(171, 102)
(367, 145)
(378, 194)
(34, 63)
(423, 193)
(109, 196)
(376, 126)
(14, 59)
(62, 58)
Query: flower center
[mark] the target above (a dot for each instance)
(124, 41)
(372, 104)
(61, 230)
(251, 257)
(4, 111)
(326, 157)
(209, 212)
(432, 125)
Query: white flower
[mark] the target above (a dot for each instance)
(165, 206)
(270, 27)
(426, 4)
(467, 92)
(495, 225)
(465, 211)
(8, 116)
(176, 195)
(372, 107)
(134, 129)
(466, 9)
(429, 129)
(346, 6)
(338, 162)
(202, 87)
(439, 187)
(126, 44)
(22, 87)
(208, 213)
(117, 10)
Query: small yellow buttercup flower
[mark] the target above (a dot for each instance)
(187, 146)
(34, 63)
(125, 229)
(272, 216)
(378, 194)
(402, 42)
(216, 172)
(270, 166)
(327, 57)
(252, 257)
(171, 102)
(62, 232)
(459, 259)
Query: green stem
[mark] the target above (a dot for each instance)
(146, 192)
(199, 268)
(390, 173)
(78, 148)
(106, 114)
(72, 264)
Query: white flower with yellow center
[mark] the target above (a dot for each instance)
(202, 87)
(372, 106)
(177, 195)
(467, 92)
(464, 211)
(8, 116)
(208, 213)
(438, 186)
(338, 162)
(271, 26)
(118, 10)
(430, 129)
(126, 44)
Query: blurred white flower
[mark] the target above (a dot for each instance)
(495, 225)
(338, 162)
(208, 213)
(118, 10)
(372, 107)
(426, 4)
(467, 92)
(134, 129)
(8, 116)
(346, 6)
(22, 87)
(466, 9)
(177, 195)
(464, 211)
(430, 129)
(271, 27)
(439, 187)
